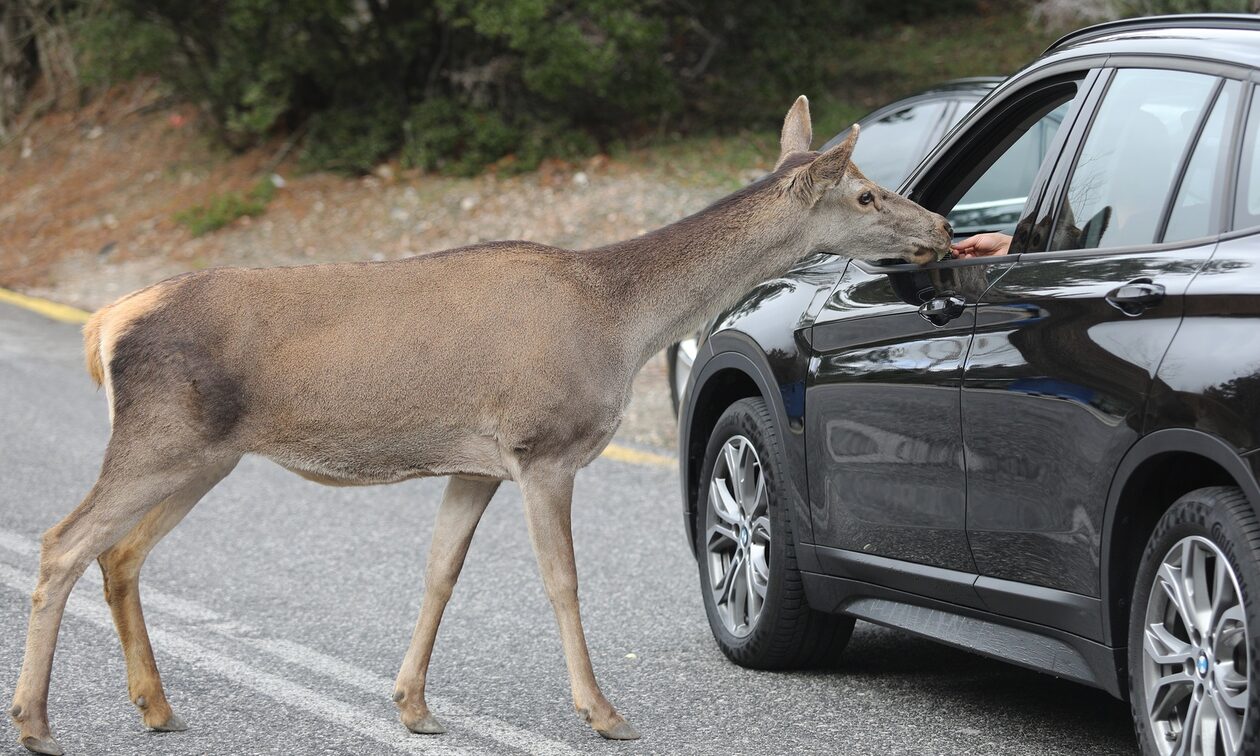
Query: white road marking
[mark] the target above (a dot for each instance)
(386, 732)
(445, 711)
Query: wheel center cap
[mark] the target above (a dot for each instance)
(1202, 664)
(743, 536)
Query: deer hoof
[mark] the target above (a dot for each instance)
(623, 730)
(173, 723)
(426, 725)
(46, 745)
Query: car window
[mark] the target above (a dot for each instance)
(894, 144)
(1247, 207)
(1122, 175)
(996, 200)
(1199, 196)
(964, 107)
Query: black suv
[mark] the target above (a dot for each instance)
(1048, 457)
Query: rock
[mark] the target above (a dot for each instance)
(468, 203)
(95, 132)
(581, 179)
(277, 181)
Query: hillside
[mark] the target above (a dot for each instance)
(95, 203)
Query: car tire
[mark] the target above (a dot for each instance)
(1194, 668)
(785, 633)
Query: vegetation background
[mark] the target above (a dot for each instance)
(456, 85)
(144, 138)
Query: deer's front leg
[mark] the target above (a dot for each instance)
(548, 505)
(462, 506)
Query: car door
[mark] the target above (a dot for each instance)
(1208, 380)
(883, 425)
(1067, 341)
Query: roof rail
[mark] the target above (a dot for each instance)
(1181, 21)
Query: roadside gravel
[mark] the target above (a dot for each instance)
(87, 203)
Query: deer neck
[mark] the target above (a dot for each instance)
(671, 281)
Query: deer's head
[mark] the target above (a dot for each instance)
(843, 211)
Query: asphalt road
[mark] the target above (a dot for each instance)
(280, 610)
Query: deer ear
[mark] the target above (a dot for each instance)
(829, 167)
(798, 132)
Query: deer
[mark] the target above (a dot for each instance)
(499, 361)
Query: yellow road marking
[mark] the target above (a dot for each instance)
(47, 308)
(68, 314)
(621, 453)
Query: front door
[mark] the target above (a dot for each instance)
(883, 421)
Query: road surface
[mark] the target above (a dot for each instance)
(280, 610)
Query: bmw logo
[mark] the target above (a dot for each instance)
(743, 539)
(1202, 664)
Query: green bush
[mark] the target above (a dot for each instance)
(352, 140)
(454, 85)
(440, 134)
(1162, 7)
(224, 208)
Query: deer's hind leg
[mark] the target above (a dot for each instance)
(462, 506)
(135, 477)
(120, 567)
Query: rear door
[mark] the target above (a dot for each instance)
(1068, 340)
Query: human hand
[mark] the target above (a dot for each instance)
(982, 245)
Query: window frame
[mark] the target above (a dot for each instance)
(1052, 200)
(1231, 143)
(1242, 118)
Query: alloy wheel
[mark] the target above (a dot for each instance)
(1195, 657)
(737, 536)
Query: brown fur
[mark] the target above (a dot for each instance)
(503, 361)
(92, 346)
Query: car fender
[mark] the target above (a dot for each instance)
(1163, 441)
(733, 350)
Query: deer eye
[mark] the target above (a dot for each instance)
(866, 198)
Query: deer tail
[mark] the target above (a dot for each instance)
(92, 345)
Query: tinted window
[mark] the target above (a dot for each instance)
(1199, 197)
(997, 198)
(1247, 209)
(1128, 162)
(894, 144)
(963, 107)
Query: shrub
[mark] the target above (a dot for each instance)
(224, 208)
(352, 140)
(457, 84)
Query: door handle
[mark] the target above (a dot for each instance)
(943, 309)
(1136, 296)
